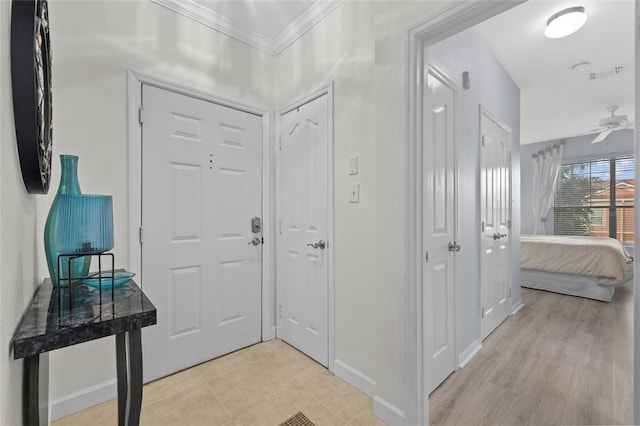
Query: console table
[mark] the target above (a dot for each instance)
(58, 317)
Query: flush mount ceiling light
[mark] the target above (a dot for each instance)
(565, 22)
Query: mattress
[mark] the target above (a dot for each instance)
(603, 258)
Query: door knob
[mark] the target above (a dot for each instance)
(319, 245)
(454, 246)
(496, 236)
(255, 241)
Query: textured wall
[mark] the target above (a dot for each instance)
(90, 62)
(17, 240)
(340, 49)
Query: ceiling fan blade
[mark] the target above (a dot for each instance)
(602, 136)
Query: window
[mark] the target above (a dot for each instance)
(596, 198)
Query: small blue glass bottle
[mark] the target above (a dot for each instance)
(68, 185)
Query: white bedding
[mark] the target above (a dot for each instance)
(594, 256)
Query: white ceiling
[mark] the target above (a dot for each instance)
(555, 101)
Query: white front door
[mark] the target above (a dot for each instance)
(304, 245)
(495, 216)
(201, 186)
(439, 225)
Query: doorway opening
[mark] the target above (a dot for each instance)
(449, 22)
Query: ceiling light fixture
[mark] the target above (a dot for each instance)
(565, 22)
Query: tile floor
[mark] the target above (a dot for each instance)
(264, 384)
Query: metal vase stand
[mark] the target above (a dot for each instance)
(78, 280)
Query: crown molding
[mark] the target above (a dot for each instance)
(312, 16)
(218, 22)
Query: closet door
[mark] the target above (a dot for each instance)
(495, 216)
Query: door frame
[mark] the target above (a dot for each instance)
(453, 19)
(324, 90)
(135, 80)
(482, 110)
(447, 81)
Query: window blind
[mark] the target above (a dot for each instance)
(596, 197)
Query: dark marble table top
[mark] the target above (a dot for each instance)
(57, 317)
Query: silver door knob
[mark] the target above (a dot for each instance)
(496, 236)
(454, 246)
(319, 245)
(255, 241)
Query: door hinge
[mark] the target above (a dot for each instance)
(280, 227)
(482, 312)
(140, 234)
(483, 139)
(509, 157)
(482, 226)
(426, 257)
(280, 311)
(140, 115)
(280, 144)
(509, 292)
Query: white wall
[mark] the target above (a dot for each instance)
(494, 89)
(17, 240)
(392, 20)
(340, 49)
(620, 142)
(94, 44)
(360, 46)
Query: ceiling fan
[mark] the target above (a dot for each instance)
(609, 124)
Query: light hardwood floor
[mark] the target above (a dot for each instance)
(264, 384)
(559, 360)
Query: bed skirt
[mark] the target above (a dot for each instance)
(573, 285)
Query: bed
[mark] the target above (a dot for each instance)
(579, 266)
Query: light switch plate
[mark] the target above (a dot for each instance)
(353, 165)
(354, 193)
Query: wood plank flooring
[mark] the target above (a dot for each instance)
(559, 360)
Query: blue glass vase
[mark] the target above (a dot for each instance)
(68, 185)
(85, 224)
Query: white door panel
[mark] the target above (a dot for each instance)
(201, 184)
(439, 224)
(303, 216)
(495, 240)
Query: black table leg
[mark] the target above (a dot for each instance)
(129, 365)
(35, 401)
(121, 367)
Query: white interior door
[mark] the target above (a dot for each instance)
(439, 225)
(201, 186)
(495, 204)
(304, 246)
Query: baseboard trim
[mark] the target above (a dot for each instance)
(387, 412)
(469, 353)
(517, 307)
(270, 335)
(80, 400)
(354, 377)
